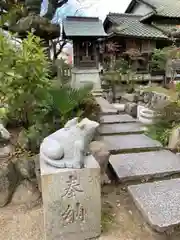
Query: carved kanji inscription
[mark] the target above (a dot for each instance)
(73, 186)
(71, 215)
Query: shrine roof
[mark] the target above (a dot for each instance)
(83, 26)
(130, 25)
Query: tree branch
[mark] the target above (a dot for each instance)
(60, 49)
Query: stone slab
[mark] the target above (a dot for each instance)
(106, 107)
(71, 201)
(120, 128)
(81, 77)
(145, 165)
(159, 203)
(130, 143)
(130, 97)
(108, 111)
(119, 106)
(118, 118)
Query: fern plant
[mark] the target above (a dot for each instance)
(66, 100)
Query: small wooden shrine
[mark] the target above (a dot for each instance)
(84, 32)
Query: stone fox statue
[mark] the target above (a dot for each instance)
(67, 147)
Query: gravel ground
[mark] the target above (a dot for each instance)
(121, 220)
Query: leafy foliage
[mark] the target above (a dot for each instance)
(112, 47)
(168, 118)
(158, 60)
(33, 101)
(21, 16)
(160, 57)
(25, 78)
(121, 66)
(67, 100)
(159, 133)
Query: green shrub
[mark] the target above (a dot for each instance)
(170, 114)
(69, 102)
(158, 60)
(159, 133)
(66, 103)
(34, 102)
(25, 83)
(168, 117)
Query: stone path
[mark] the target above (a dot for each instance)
(130, 143)
(123, 118)
(121, 128)
(136, 157)
(106, 108)
(158, 202)
(145, 165)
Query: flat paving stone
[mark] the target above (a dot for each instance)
(121, 128)
(145, 165)
(108, 111)
(118, 118)
(130, 143)
(159, 203)
(106, 107)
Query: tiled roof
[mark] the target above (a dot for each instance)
(166, 8)
(166, 27)
(130, 25)
(83, 26)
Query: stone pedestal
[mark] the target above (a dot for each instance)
(81, 77)
(71, 201)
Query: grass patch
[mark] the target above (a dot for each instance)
(160, 133)
(107, 217)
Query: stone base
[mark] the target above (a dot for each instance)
(71, 201)
(80, 77)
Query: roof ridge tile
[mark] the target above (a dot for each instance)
(124, 14)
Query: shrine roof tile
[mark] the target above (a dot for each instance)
(83, 26)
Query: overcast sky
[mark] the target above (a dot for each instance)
(105, 6)
(98, 8)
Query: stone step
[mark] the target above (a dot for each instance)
(130, 143)
(145, 165)
(120, 128)
(117, 118)
(106, 107)
(159, 203)
(108, 111)
(96, 94)
(119, 106)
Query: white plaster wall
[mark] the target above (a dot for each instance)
(141, 9)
